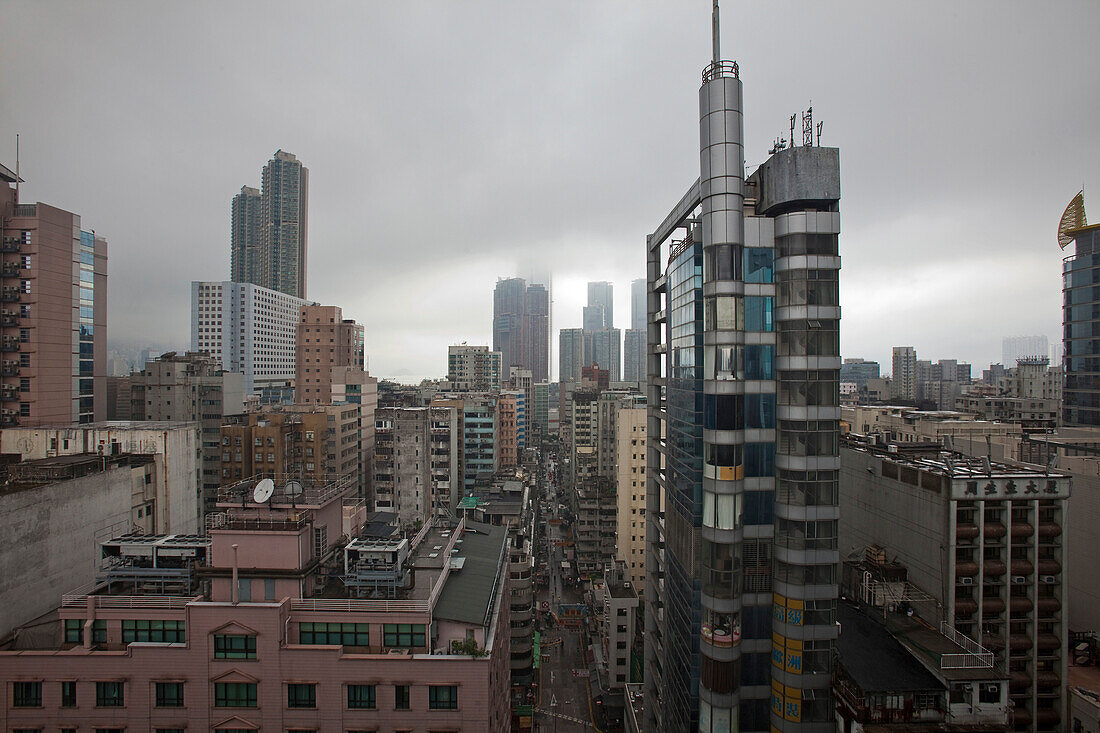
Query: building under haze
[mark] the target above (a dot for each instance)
(325, 341)
(571, 357)
(602, 294)
(521, 326)
(741, 491)
(634, 356)
(637, 304)
(269, 228)
(1081, 360)
(903, 378)
(53, 314)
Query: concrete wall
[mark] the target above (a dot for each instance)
(909, 522)
(50, 543)
(1082, 539)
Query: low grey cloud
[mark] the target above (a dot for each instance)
(452, 143)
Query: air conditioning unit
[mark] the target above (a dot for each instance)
(1048, 579)
(1020, 579)
(966, 581)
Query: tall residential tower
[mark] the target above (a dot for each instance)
(741, 491)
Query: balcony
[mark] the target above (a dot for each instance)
(9, 344)
(11, 295)
(11, 244)
(9, 369)
(10, 270)
(9, 394)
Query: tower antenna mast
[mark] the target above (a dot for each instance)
(17, 155)
(714, 23)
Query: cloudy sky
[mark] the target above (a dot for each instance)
(451, 143)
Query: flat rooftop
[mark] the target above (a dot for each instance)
(467, 596)
(926, 457)
(622, 590)
(875, 660)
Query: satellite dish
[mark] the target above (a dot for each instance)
(263, 491)
(293, 489)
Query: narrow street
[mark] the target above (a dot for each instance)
(564, 703)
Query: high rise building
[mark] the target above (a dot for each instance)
(630, 489)
(190, 387)
(1081, 359)
(521, 326)
(604, 348)
(602, 294)
(637, 304)
(247, 329)
(858, 371)
(325, 341)
(741, 508)
(270, 228)
(53, 314)
(473, 368)
(246, 237)
(634, 356)
(571, 356)
(593, 317)
(536, 331)
(903, 377)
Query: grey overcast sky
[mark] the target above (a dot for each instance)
(451, 143)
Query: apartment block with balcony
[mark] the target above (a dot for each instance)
(275, 621)
(53, 314)
(325, 341)
(985, 540)
(416, 461)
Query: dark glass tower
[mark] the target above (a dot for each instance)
(1081, 302)
(743, 361)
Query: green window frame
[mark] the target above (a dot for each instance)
(234, 694)
(74, 631)
(110, 694)
(337, 634)
(443, 697)
(301, 695)
(361, 697)
(234, 646)
(403, 635)
(401, 697)
(26, 694)
(68, 694)
(169, 694)
(153, 630)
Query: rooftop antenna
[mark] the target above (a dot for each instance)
(17, 156)
(714, 23)
(792, 130)
(819, 124)
(808, 126)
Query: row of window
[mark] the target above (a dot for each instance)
(242, 646)
(234, 695)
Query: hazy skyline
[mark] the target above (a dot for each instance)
(451, 144)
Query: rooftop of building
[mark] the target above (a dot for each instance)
(622, 590)
(468, 593)
(932, 457)
(149, 425)
(1085, 680)
(20, 475)
(874, 659)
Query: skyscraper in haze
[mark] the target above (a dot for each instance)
(246, 234)
(269, 228)
(521, 326)
(903, 376)
(741, 493)
(637, 305)
(602, 293)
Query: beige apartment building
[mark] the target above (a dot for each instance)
(324, 340)
(630, 487)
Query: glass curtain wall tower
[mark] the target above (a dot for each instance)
(743, 365)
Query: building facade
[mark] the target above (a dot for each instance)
(634, 356)
(246, 237)
(743, 361)
(248, 329)
(417, 461)
(630, 478)
(903, 377)
(603, 348)
(325, 340)
(190, 387)
(602, 295)
(521, 326)
(985, 539)
(637, 305)
(1081, 360)
(571, 356)
(53, 314)
(473, 368)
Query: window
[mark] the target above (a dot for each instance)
(443, 697)
(169, 694)
(234, 646)
(334, 633)
(361, 697)
(301, 695)
(234, 694)
(403, 635)
(401, 697)
(26, 694)
(153, 631)
(68, 694)
(169, 730)
(109, 694)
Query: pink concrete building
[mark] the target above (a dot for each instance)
(275, 621)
